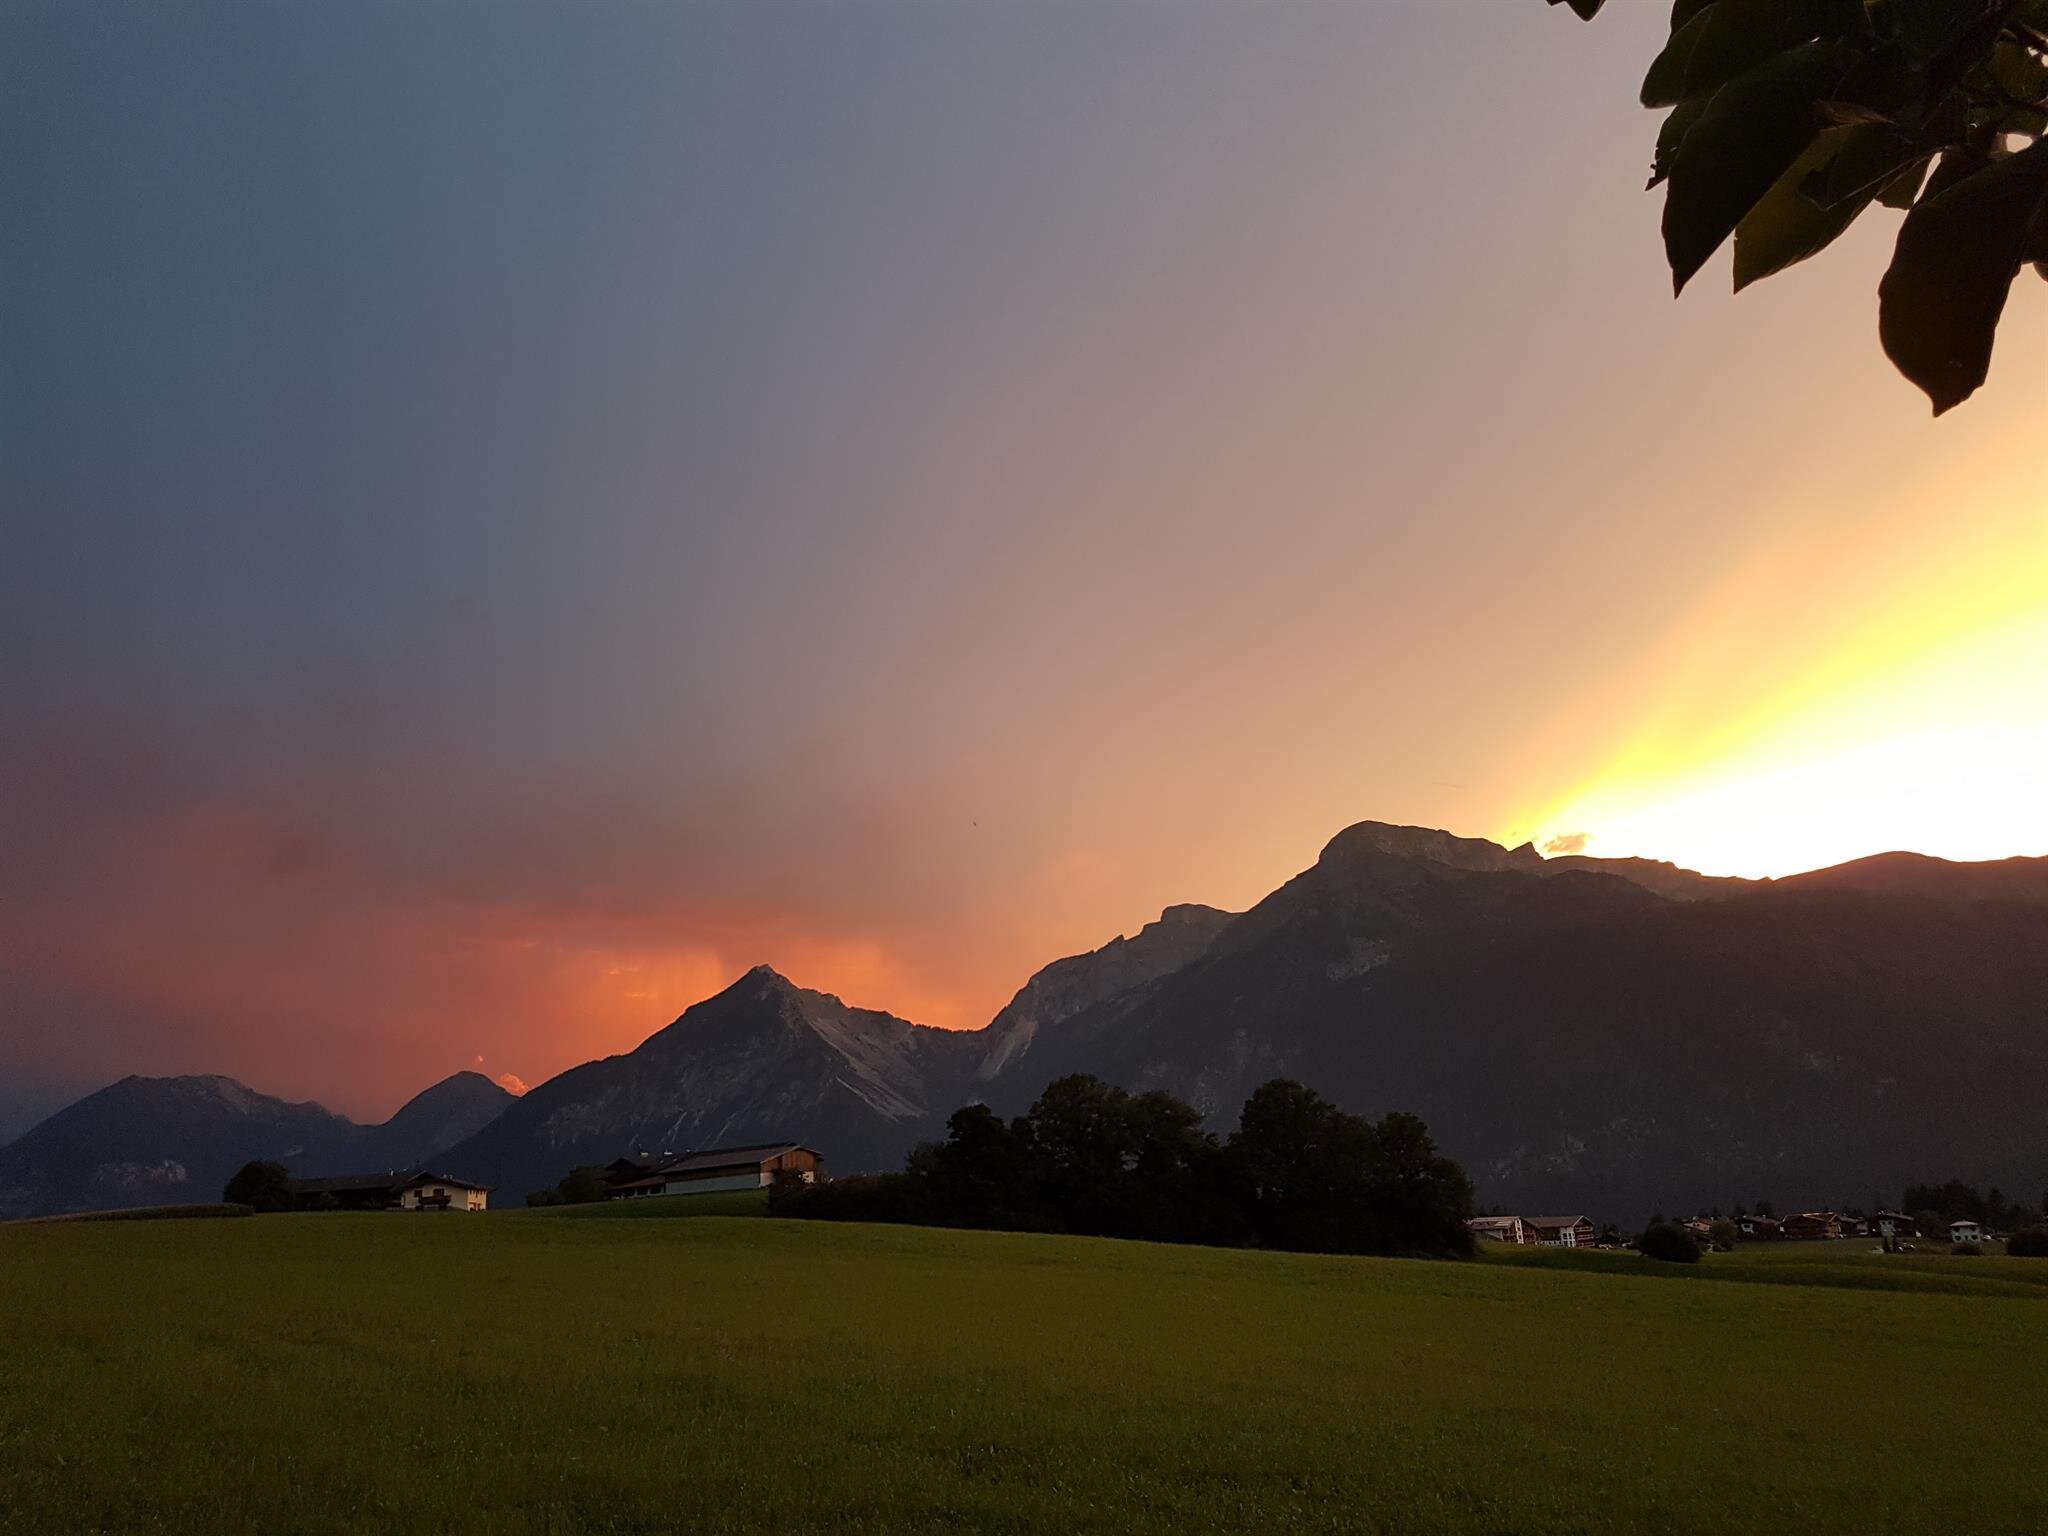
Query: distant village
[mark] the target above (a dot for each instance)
(644, 1175)
(707, 1171)
(1896, 1230)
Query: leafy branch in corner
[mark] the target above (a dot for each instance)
(1788, 118)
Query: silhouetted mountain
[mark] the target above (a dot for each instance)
(170, 1140)
(1915, 874)
(763, 1060)
(1602, 1034)
(1579, 1041)
(1065, 987)
(434, 1120)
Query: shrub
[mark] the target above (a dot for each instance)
(265, 1186)
(1723, 1235)
(1669, 1243)
(583, 1186)
(2029, 1244)
(873, 1197)
(544, 1197)
(1967, 1251)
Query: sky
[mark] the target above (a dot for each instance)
(512, 514)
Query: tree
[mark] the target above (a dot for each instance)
(1670, 1243)
(1321, 1181)
(1789, 118)
(266, 1186)
(582, 1186)
(2029, 1243)
(1723, 1235)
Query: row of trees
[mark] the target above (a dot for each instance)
(1298, 1173)
(1940, 1204)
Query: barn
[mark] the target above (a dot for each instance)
(712, 1169)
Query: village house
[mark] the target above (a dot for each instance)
(1498, 1229)
(1759, 1226)
(415, 1190)
(713, 1169)
(1965, 1232)
(1558, 1231)
(1813, 1224)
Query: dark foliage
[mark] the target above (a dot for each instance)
(1093, 1159)
(1957, 1201)
(895, 1197)
(1669, 1242)
(260, 1186)
(1967, 1251)
(582, 1186)
(2031, 1243)
(1788, 118)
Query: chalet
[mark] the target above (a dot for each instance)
(1498, 1229)
(1965, 1232)
(1813, 1224)
(1558, 1231)
(1759, 1226)
(714, 1168)
(415, 1190)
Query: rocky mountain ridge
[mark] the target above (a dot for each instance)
(1579, 1032)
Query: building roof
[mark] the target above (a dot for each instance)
(424, 1177)
(349, 1184)
(1555, 1221)
(369, 1183)
(708, 1161)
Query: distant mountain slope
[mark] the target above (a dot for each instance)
(1577, 1040)
(167, 1140)
(1612, 1035)
(763, 1060)
(1915, 874)
(1065, 987)
(434, 1120)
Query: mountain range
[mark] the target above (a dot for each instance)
(1611, 1035)
(175, 1140)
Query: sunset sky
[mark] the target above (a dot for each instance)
(514, 515)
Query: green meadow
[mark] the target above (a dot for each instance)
(572, 1371)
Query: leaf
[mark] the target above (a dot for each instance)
(1716, 43)
(1664, 85)
(1871, 157)
(1672, 134)
(1929, 28)
(1787, 226)
(1900, 191)
(1752, 129)
(2018, 72)
(1958, 252)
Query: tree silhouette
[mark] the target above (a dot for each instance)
(1788, 118)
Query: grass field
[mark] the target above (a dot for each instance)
(563, 1371)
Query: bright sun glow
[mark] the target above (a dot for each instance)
(1915, 715)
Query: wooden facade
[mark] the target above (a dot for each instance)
(711, 1170)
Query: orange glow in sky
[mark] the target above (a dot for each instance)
(1909, 708)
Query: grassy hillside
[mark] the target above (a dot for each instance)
(525, 1372)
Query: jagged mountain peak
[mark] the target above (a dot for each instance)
(1067, 986)
(1367, 838)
